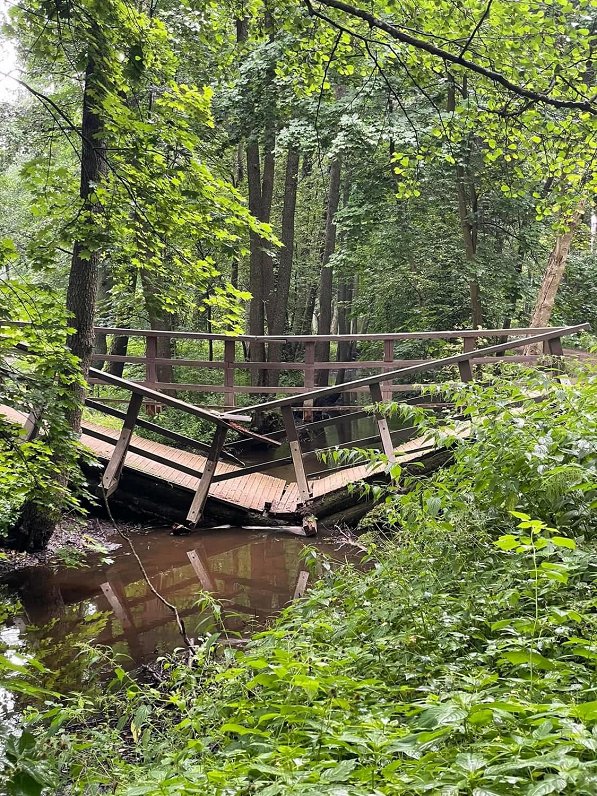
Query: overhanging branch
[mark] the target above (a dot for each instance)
(448, 57)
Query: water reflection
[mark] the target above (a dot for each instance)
(252, 574)
(359, 432)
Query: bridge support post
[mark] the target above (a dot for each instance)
(382, 423)
(553, 347)
(114, 467)
(465, 368)
(195, 514)
(296, 453)
(229, 356)
(309, 380)
(388, 356)
(32, 423)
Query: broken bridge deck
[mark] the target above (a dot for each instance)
(255, 493)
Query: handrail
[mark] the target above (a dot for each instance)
(432, 364)
(217, 418)
(446, 334)
(317, 338)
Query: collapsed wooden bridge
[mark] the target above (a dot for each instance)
(172, 480)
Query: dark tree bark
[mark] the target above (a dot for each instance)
(326, 282)
(37, 520)
(467, 212)
(282, 291)
(159, 320)
(84, 271)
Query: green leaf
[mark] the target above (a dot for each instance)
(587, 711)
(548, 785)
(563, 541)
(340, 773)
(528, 659)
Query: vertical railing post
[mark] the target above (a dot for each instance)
(388, 356)
(465, 368)
(196, 511)
(114, 467)
(382, 423)
(151, 369)
(229, 357)
(309, 379)
(296, 453)
(554, 347)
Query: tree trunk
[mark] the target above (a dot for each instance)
(346, 348)
(160, 321)
(556, 266)
(467, 211)
(324, 324)
(280, 296)
(256, 280)
(37, 520)
(123, 320)
(83, 278)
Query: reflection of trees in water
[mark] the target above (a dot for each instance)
(56, 634)
(114, 607)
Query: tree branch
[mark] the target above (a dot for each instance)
(448, 57)
(484, 16)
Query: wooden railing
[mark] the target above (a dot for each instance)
(231, 355)
(376, 386)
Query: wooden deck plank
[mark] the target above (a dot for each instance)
(251, 492)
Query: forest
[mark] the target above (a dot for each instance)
(193, 178)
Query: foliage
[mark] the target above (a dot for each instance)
(460, 660)
(37, 378)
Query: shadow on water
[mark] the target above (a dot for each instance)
(252, 574)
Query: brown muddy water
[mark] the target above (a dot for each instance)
(109, 605)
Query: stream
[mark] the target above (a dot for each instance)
(109, 605)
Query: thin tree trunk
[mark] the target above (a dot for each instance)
(467, 212)
(345, 351)
(37, 520)
(282, 291)
(103, 308)
(326, 282)
(120, 342)
(556, 266)
(256, 279)
(160, 321)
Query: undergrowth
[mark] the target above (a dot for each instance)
(459, 660)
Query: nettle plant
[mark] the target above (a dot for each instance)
(531, 446)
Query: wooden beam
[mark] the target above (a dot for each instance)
(296, 453)
(147, 392)
(151, 353)
(201, 570)
(114, 467)
(388, 358)
(196, 511)
(309, 379)
(434, 364)
(301, 585)
(554, 347)
(382, 423)
(32, 423)
(167, 433)
(229, 356)
(466, 370)
(448, 334)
